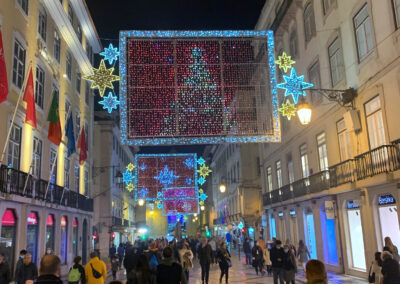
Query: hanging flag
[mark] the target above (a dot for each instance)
(69, 132)
(82, 147)
(29, 98)
(53, 118)
(3, 73)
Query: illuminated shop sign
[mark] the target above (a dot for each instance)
(280, 214)
(352, 204)
(292, 212)
(386, 200)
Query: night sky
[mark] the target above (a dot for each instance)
(111, 16)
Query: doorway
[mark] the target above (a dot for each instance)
(84, 241)
(310, 233)
(357, 256)
(389, 219)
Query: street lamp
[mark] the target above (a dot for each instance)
(141, 202)
(222, 187)
(202, 207)
(304, 113)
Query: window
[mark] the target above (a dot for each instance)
(36, 157)
(344, 140)
(87, 135)
(336, 61)
(57, 46)
(304, 161)
(278, 173)
(309, 22)
(53, 161)
(293, 44)
(78, 82)
(32, 235)
(64, 239)
(77, 172)
(39, 86)
(362, 26)
(87, 92)
(42, 23)
(14, 147)
(67, 166)
(327, 5)
(314, 77)
(322, 152)
(68, 65)
(67, 108)
(50, 231)
(269, 179)
(75, 237)
(86, 179)
(89, 51)
(376, 129)
(396, 8)
(18, 73)
(70, 14)
(290, 169)
(79, 33)
(24, 4)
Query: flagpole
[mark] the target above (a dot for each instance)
(51, 174)
(65, 132)
(15, 113)
(30, 167)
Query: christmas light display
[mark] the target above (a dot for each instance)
(130, 167)
(288, 109)
(102, 78)
(127, 177)
(204, 171)
(110, 102)
(294, 85)
(166, 177)
(201, 161)
(110, 54)
(192, 87)
(130, 187)
(285, 62)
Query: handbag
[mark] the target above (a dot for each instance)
(229, 262)
(371, 277)
(95, 273)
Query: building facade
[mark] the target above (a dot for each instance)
(334, 183)
(43, 210)
(237, 167)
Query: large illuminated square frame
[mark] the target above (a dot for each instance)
(269, 37)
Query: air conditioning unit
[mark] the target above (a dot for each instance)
(352, 120)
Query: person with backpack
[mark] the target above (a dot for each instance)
(95, 270)
(169, 271)
(76, 273)
(114, 266)
(153, 256)
(186, 259)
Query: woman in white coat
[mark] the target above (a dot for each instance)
(186, 259)
(267, 260)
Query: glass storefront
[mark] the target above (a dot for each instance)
(272, 227)
(7, 237)
(357, 257)
(75, 237)
(389, 219)
(310, 233)
(50, 232)
(329, 239)
(64, 239)
(32, 235)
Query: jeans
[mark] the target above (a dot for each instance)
(205, 272)
(277, 272)
(248, 258)
(224, 270)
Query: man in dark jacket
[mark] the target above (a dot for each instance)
(5, 275)
(131, 259)
(112, 251)
(121, 253)
(205, 256)
(277, 256)
(50, 270)
(390, 269)
(258, 258)
(20, 262)
(169, 271)
(247, 251)
(28, 270)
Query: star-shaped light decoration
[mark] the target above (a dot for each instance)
(102, 78)
(189, 162)
(285, 62)
(110, 102)
(143, 192)
(201, 161)
(187, 206)
(203, 196)
(166, 176)
(110, 54)
(130, 167)
(201, 202)
(288, 109)
(160, 205)
(204, 171)
(159, 194)
(189, 181)
(143, 167)
(201, 180)
(294, 85)
(127, 177)
(201, 191)
(130, 187)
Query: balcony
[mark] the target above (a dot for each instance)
(383, 159)
(13, 182)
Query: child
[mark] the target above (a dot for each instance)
(114, 266)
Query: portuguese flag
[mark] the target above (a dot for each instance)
(53, 118)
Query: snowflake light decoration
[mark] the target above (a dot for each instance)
(288, 109)
(166, 176)
(201, 180)
(294, 85)
(201, 161)
(110, 102)
(204, 171)
(160, 205)
(130, 167)
(203, 196)
(189, 162)
(143, 192)
(189, 181)
(143, 167)
(130, 187)
(102, 78)
(187, 206)
(285, 62)
(160, 194)
(110, 54)
(127, 177)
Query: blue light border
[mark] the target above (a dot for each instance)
(276, 137)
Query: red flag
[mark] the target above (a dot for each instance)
(29, 98)
(3, 74)
(82, 147)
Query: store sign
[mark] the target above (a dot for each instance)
(280, 214)
(329, 209)
(352, 204)
(386, 200)
(292, 212)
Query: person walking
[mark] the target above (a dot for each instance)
(247, 251)
(28, 270)
(261, 243)
(49, 270)
(20, 262)
(5, 273)
(277, 255)
(186, 259)
(141, 274)
(112, 251)
(258, 258)
(204, 255)
(76, 273)
(303, 254)
(389, 246)
(315, 272)
(153, 256)
(267, 260)
(121, 253)
(224, 260)
(169, 271)
(131, 259)
(375, 270)
(95, 270)
(289, 265)
(213, 246)
(390, 269)
(114, 266)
